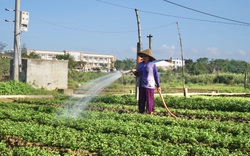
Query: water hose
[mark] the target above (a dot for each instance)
(163, 101)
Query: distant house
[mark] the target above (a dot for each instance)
(92, 62)
(163, 64)
(176, 62)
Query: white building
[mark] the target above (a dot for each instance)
(91, 62)
(163, 64)
(176, 62)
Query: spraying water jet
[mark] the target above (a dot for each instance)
(87, 92)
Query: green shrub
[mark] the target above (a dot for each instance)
(20, 88)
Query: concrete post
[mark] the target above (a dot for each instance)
(150, 41)
(16, 42)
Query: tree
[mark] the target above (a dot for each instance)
(126, 64)
(202, 60)
(197, 68)
(4, 63)
(2, 46)
(204, 66)
(4, 68)
(23, 49)
(129, 64)
(32, 55)
(237, 66)
(188, 65)
(119, 65)
(72, 63)
(219, 65)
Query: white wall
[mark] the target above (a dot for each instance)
(49, 74)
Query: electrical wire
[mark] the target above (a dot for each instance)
(228, 19)
(84, 30)
(97, 31)
(115, 5)
(149, 12)
(194, 19)
(180, 17)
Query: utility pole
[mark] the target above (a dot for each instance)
(139, 44)
(182, 61)
(21, 24)
(139, 49)
(246, 76)
(17, 48)
(150, 41)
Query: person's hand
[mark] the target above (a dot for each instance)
(159, 89)
(133, 70)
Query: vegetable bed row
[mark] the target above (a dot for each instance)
(108, 127)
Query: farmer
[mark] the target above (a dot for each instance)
(148, 80)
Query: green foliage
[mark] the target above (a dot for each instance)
(4, 68)
(126, 64)
(32, 55)
(78, 78)
(19, 88)
(2, 46)
(206, 66)
(111, 99)
(226, 78)
(72, 63)
(223, 78)
(200, 79)
(213, 104)
(170, 77)
(33, 151)
(114, 128)
(126, 79)
(230, 79)
(4, 150)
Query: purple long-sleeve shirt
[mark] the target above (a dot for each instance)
(148, 75)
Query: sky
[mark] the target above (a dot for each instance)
(215, 29)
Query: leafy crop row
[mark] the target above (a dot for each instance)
(108, 132)
(215, 103)
(182, 113)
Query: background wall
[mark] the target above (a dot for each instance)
(49, 74)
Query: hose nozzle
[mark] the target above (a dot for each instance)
(126, 72)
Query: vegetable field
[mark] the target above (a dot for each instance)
(110, 125)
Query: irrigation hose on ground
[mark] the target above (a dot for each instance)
(163, 101)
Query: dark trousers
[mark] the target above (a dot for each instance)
(146, 99)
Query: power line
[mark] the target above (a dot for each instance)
(99, 31)
(180, 17)
(84, 30)
(228, 19)
(128, 31)
(194, 19)
(116, 5)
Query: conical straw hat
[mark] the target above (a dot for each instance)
(147, 52)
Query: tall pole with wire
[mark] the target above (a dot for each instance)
(139, 48)
(246, 76)
(16, 41)
(182, 61)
